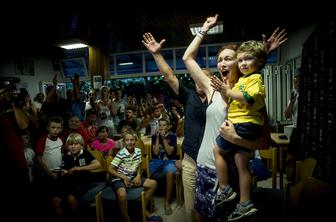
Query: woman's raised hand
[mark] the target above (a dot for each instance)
(277, 38)
(150, 43)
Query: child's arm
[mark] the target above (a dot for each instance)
(45, 168)
(156, 145)
(253, 92)
(241, 97)
(113, 171)
(169, 148)
(137, 179)
(94, 164)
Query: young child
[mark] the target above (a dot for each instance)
(126, 171)
(104, 144)
(49, 148)
(164, 149)
(139, 143)
(245, 100)
(76, 175)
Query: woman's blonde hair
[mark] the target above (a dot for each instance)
(74, 138)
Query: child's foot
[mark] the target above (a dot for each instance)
(242, 211)
(222, 196)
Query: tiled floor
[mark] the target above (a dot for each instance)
(179, 211)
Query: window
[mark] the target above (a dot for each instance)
(70, 67)
(129, 63)
(151, 65)
(212, 53)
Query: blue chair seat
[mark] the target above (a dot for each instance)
(90, 195)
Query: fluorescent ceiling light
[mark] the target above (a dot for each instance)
(195, 28)
(72, 44)
(125, 63)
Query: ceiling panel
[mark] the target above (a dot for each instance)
(120, 29)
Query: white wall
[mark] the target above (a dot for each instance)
(293, 46)
(43, 71)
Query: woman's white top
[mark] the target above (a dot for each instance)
(215, 116)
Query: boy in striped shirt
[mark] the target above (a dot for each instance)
(126, 171)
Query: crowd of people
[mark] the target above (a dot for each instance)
(223, 120)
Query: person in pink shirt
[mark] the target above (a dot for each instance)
(103, 143)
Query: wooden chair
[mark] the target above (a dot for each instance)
(309, 200)
(99, 207)
(94, 194)
(99, 156)
(292, 191)
(304, 169)
(271, 157)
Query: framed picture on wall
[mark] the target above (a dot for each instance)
(297, 62)
(24, 67)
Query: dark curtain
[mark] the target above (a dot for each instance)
(316, 118)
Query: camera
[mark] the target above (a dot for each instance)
(18, 98)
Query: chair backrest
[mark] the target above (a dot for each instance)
(145, 165)
(179, 151)
(309, 200)
(271, 156)
(99, 156)
(305, 168)
(140, 144)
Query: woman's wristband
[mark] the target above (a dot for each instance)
(202, 32)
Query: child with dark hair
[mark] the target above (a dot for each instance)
(104, 144)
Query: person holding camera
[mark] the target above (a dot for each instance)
(15, 189)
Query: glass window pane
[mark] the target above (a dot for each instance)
(73, 66)
(179, 62)
(201, 60)
(129, 63)
(150, 63)
(212, 52)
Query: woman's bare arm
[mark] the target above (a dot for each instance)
(154, 48)
(189, 58)
(228, 132)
